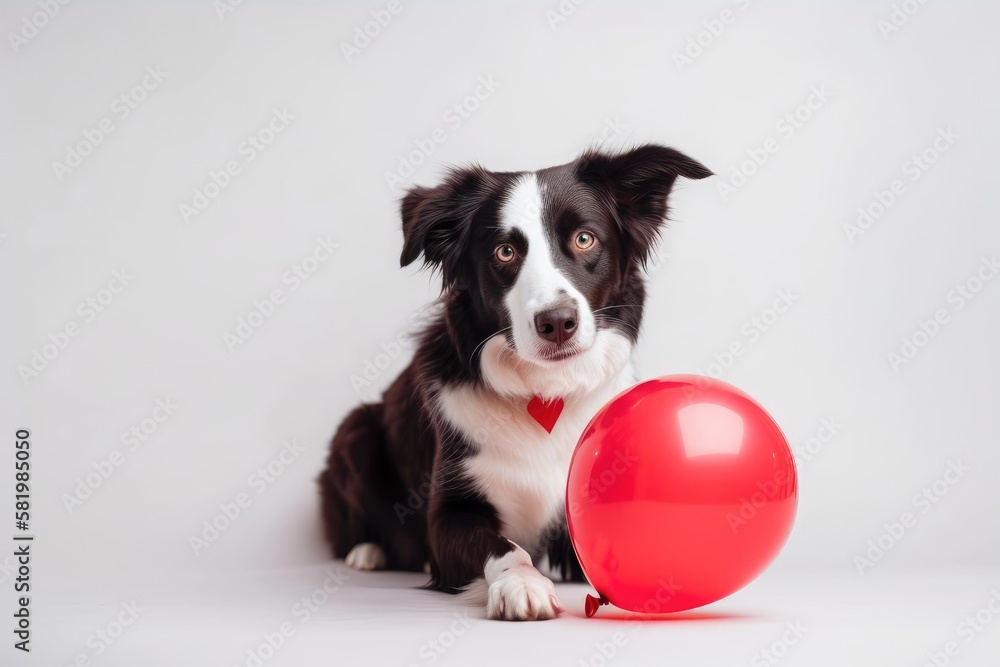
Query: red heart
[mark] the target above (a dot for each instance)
(546, 413)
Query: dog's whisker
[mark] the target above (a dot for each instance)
(615, 320)
(621, 305)
(486, 340)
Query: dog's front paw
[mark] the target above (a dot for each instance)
(522, 593)
(366, 556)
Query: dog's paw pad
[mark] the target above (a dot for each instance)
(366, 556)
(522, 593)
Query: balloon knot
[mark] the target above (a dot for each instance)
(593, 603)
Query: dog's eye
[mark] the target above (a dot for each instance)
(505, 253)
(585, 240)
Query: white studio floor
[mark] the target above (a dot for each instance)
(383, 619)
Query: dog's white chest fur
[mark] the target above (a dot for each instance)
(518, 466)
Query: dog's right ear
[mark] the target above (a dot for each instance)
(437, 221)
(635, 185)
(415, 228)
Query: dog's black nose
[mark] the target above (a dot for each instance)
(556, 325)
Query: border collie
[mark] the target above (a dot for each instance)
(462, 467)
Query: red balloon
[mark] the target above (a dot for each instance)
(681, 491)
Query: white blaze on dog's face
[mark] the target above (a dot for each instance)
(546, 265)
(551, 320)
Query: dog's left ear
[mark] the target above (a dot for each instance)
(437, 221)
(635, 186)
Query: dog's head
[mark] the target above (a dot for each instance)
(546, 261)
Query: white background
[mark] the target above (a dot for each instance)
(562, 86)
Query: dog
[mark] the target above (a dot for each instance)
(461, 469)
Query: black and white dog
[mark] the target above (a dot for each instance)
(541, 305)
